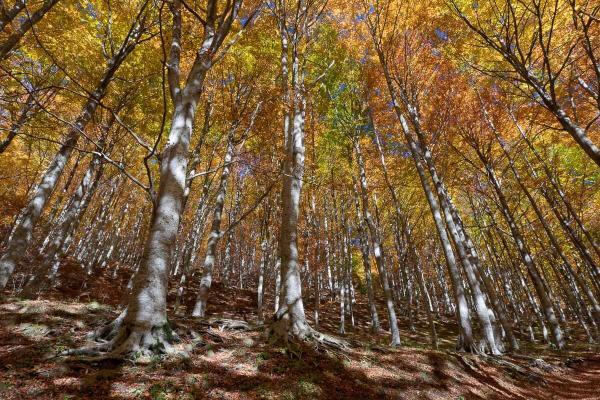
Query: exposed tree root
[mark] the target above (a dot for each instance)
(225, 324)
(130, 342)
(519, 371)
(513, 369)
(301, 333)
(536, 362)
(110, 330)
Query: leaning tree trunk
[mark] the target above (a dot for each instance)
(552, 179)
(71, 216)
(23, 232)
(464, 320)
(483, 313)
(15, 37)
(24, 115)
(553, 240)
(377, 247)
(546, 303)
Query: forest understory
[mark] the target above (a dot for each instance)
(299, 199)
(241, 363)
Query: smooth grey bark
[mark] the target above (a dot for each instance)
(400, 226)
(342, 280)
(546, 303)
(378, 250)
(264, 261)
(551, 236)
(290, 318)
(278, 293)
(464, 320)
(292, 308)
(232, 216)
(481, 308)
(317, 256)
(192, 242)
(23, 233)
(330, 281)
(555, 184)
(427, 301)
(215, 233)
(145, 327)
(61, 236)
(365, 251)
(54, 215)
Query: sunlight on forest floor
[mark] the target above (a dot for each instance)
(242, 365)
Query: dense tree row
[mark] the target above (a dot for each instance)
(439, 159)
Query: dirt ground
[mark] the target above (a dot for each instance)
(225, 364)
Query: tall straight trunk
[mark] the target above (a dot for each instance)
(260, 288)
(292, 308)
(330, 282)
(364, 250)
(317, 257)
(377, 246)
(546, 303)
(232, 215)
(464, 319)
(483, 313)
(145, 324)
(264, 261)
(278, 293)
(342, 281)
(23, 233)
(215, 234)
(192, 243)
(427, 302)
(62, 235)
(15, 37)
(399, 224)
(553, 240)
(290, 318)
(553, 181)
(145, 327)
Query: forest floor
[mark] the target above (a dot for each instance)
(225, 364)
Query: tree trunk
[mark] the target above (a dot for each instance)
(215, 234)
(446, 204)
(23, 233)
(15, 37)
(377, 246)
(546, 303)
(364, 249)
(464, 320)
